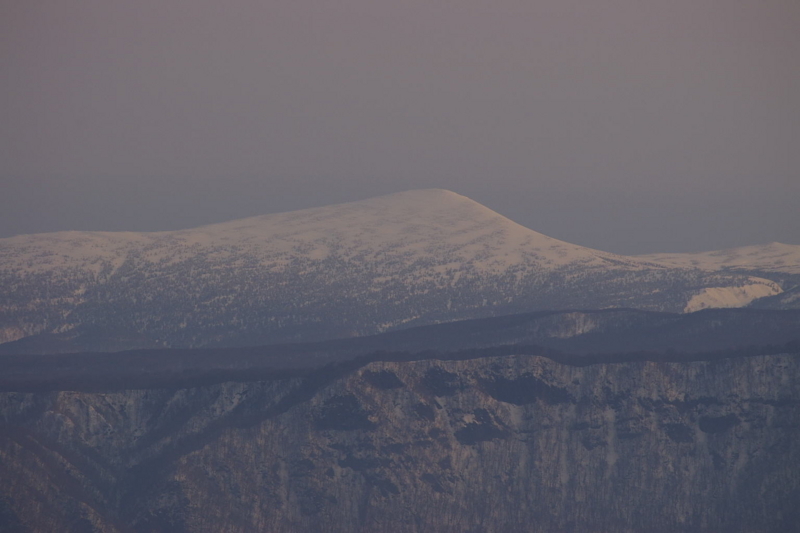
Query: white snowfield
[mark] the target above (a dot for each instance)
(403, 259)
(772, 257)
(717, 297)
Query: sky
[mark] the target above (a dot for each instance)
(631, 126)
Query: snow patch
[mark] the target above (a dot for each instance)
(575, 324)
(717, 297)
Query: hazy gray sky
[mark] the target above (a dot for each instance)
(627, 125)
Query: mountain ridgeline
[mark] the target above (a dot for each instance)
(407, 259)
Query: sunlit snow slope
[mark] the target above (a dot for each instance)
(773, 257)
(412, 226)
(776, 261)
(352, 269)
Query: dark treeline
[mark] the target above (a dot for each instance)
(177, 369)
(575, 338)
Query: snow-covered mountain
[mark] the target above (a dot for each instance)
(404, 259)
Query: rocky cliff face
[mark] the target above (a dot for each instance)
(498, 444)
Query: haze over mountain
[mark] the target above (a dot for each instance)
(359, 268)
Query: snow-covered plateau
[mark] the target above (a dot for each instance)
(772, 257)
(359, 268)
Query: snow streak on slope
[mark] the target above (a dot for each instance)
(773, 257)
(717, 297)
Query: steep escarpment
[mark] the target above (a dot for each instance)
(512, 443)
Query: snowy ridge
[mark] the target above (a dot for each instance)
(358, 268)
(773, 257)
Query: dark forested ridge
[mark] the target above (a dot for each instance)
(571, 337)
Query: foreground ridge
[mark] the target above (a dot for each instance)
(497, 442)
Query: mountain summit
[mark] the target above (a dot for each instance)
(358, 268)
(413, 224)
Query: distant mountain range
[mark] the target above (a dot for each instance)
(402, 260)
